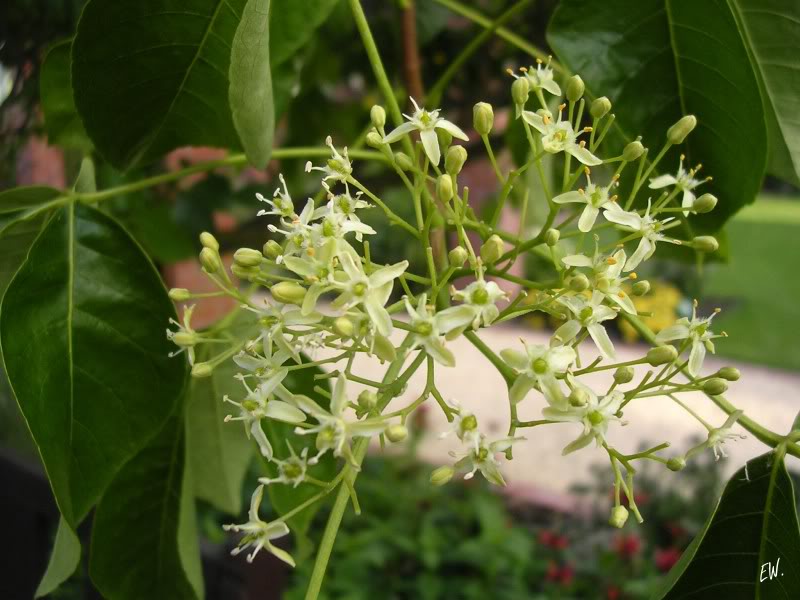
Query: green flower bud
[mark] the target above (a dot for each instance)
(445, 139)
(661, 355)
(600, 107)
(383, 349)
(377, 115)
(632, 151)
(729, 373)
(715, 386)
(575, 88)
(248, 257)
(209, 241)
(442, 475)
(623, 375)
(179, 294)
(396, 433)
(403, 161)
(454, 159)
(520, 91)
(678, 132)
(344, 326)
(640, 288)
(551, 237)
(483, 118)
(245, 273)
(492, 249)
(272, 249)
(676, 463)
(705, 203)
(288, 292)
(444, 188)
(619, 514)
(367, 400)
(202, 369)
(578, 397)
(705, 243)
(210, 260)
(579, 283)
(457, 257)
(374, 139)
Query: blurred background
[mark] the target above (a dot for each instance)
(540, 538)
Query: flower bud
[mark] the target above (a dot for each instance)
(442, 475)
(661, 355)
(600, 107)
(210, 260)
(245, 273)
(632, 151)
(578, 397)
(444, 188)
(715, 386)
(368, 400)
(575, 88)
(179, 294)
(483, 118)
(640, 288)
(209, 241)
(288, 292)
(705, 243)
(729, 373)
(377, 115)
(454, 159)
(272, 249)
(248, 257)
(623, 375)
(619, 514)
(492, 249)
(676, 463)
(374, 139)
(403, 161)
(551, 237)
(445, 138)
(383, 349)
(396, 433)
(520, 90)
(344, 326)
(457, 257)
(202, 369)
(579, 283)
(705, 203)
(678, 132)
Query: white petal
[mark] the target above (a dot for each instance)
(388, 274)
(431, 144)
(622, 217)
(452, 129)
(577, 260)
(583, 155)
(551, 86)
(568, 331)
(339, 396)
(515, 358)
(570, 197)
(580, 442)
(520, 388)
(600, 337)
(440, 353)
(367, 428)
(678, 331)
(696, 358)
(561, 357)
(399, 132)
(261, 439)
(644, 250)
(588, 217)
(282, 411)
(662, 181)
(379, 316)
(534, 120)
(453, 318)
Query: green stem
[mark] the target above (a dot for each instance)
(504, 370)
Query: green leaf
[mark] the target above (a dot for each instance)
(63, 561)
(61, 121)
(293, 23)
(771, 28)
(149, 77)
(251, 83)
(144, 535)
(82, 333)
(656, 61)
(219, 452)
(754, 523)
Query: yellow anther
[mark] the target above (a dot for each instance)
(582, 143)
(562, 107)
(611, 260)
(717, 310)
(621, 294)
(683, 157)
(633, 276)
(587, 129)
(539, 61)
(695, 303)
(510, 72)
(524, 69)
(614, 198)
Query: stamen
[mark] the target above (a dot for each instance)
(633, 276)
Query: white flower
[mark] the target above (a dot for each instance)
(186, 337)
(427, 328)
(559, 136)
(426, 123)
(683, 180)
(695, 331)
(607, 275)
(717, 437)
(259, 533)
(539, 365)
(647, 226)
(333, 431)
(318, 270)
(337, 168)
(594, 415)
(589, 314)
(482, 457)
(272, 318)
(300, 234)
(281, 203)
(371, 292)
(341, 210)
(259, 405)
(543, 77)
(291, 470)
(481, 297)
(464, 425)
(593, 196)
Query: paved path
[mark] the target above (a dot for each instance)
(771, 397)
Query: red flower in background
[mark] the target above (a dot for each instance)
(559, 574)
(613, 593)
(627, 546)
(551, 539)
(666, 558)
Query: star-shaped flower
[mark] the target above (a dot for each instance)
(588, 313)
(427, 327)
(695, 330)
(649, 228)
(559, 136)
(539, 365)
(683, 180)
(259, 533)
(593, 196)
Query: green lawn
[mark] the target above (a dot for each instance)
(761, 285)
